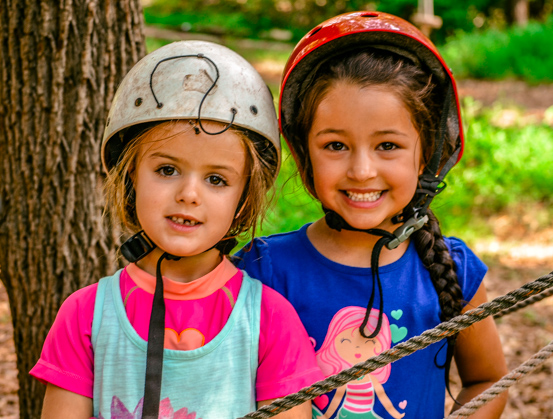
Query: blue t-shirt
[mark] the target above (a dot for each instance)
(331, 300)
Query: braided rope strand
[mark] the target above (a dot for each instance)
(507, 381)
(443, 330)
(532, 300)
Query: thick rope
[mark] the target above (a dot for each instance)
(443, 330)
(507, 381)
(532, 300)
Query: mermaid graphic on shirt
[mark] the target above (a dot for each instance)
(342, 348)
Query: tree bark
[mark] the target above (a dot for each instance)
(60, 64)
(520, 12)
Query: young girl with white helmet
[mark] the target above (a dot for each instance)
(191, 147)
(371, 115)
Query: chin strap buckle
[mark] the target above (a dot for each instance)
(409, 227)
(137, 247)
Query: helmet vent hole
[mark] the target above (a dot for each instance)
(138, 102)
(253, 109)
(369, 14)
(314, 31)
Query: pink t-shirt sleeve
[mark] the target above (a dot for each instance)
(286, 356)
(67, 358)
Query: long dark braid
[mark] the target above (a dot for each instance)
(435, 256)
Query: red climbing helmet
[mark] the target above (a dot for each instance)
(355, 30)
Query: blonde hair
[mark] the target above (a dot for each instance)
(261, 167)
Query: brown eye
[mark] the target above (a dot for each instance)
(166, 171)
(336, 146)
(387, 146)
(216, 180)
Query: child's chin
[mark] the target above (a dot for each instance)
(363, 223)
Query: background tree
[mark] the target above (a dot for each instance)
(257, 18)
(60, 63)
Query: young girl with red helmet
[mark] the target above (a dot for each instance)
(371, 115)
(191, 147)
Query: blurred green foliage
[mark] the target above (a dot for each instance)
(520, 52)
(503, 169)
(476, 40)
(256, 18)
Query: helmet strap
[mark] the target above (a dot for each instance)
(336, 222)
(431, 182)
(137, 247)
(140, 245)
(156, 341)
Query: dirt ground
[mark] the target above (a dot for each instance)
(515, 257)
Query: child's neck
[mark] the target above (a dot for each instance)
(351, 248)
(186, 269)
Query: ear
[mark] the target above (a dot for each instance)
(422, 162)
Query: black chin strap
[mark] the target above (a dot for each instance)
(432, 179)
(139, 245)
(336, 222)
(156, 340)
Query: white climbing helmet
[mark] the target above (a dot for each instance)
(190, 80)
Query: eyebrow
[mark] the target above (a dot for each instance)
(223, 167)
(379, 132)
(177, 160)
(390, 131)
(329, 131)
(163, 156)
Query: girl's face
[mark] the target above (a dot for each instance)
(354, 348)
(365, 153)
(188, 186)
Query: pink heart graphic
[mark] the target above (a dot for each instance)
(187, 340)
(403, 404)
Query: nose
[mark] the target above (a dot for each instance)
(361, 166)
(189, 191)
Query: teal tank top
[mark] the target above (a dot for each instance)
(216, 381)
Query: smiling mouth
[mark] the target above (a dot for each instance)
(363, 197)
(184, 222)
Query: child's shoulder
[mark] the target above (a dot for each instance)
(454, 242)
(264, 250)
(283, 238)
(458, 248)
(82, 300)
(280, 241)
(83, 295)
(469, 268)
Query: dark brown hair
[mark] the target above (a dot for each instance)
(421, 96)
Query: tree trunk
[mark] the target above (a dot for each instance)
(520, 12)
(60, 63)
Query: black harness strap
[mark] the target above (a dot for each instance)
(156, 339)
(336, 222)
